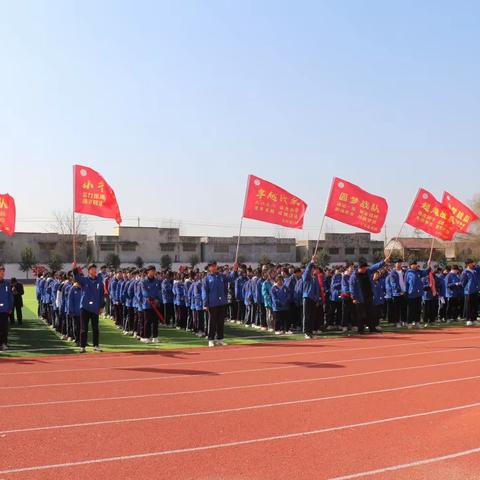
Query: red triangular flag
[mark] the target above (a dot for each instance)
(349, 204)
(267, 202)
(93, 195)
(7, 214)
(431, 216)
(463, 215)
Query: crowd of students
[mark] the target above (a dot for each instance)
(276, 298)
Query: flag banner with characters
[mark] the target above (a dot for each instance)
(352, 205)
(7, 214)
(270, 203)
(431, 216)
(93, 195)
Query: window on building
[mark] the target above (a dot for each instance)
(364, 251)
(378, 251)
(129, 247)
(167, 247)
(350, 251)
(334, 251)
(189, 247)
(281, 248)
(107, 247)
(220, 248)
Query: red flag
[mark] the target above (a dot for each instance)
(352, 205)
(463, 215)
(7, 214)
(431, 216)
(267, 202)
(93, 195)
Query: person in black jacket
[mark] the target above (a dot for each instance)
(17, 291)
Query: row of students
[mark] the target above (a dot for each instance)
(280, 299)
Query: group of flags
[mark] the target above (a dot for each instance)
(350, 204)
(267, 202)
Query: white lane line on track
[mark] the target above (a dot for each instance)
(217, 374)
(238, 443)
(237, 387)
(119, 356)
(418, 463)
(239, 409)
(259, 357)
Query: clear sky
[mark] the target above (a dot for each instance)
(176, 102)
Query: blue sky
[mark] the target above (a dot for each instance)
(177, 102)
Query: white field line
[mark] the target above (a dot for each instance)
(236, 387)
(238, 409)
(238, 443)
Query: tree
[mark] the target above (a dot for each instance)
(113, 260)
(27, 261)
(139, 262)
(166, 262)
(323, 259)
(264, 260)
(63, 223)
(55, 262)
(194, 259)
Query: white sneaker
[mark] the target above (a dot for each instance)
(83, 350)
(125, 332)
(270, 329)
(410, 326)
(4, 347)
(399, 325)
(278, 332)
(289, 333)
(97, 349)
(145, 340)
(308, 337)
(211, 343)
(344, 329)
(221, 343)
(469, 323)
(70, 339)
(155, 340)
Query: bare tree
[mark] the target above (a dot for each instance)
(63, 223)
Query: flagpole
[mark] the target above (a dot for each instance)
(241, 220)
(323, 219)
(319, 235)
(396, 240)
(74, 239)
(431, 250)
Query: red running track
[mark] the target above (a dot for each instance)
(404, 406)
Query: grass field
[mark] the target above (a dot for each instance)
(35, 338)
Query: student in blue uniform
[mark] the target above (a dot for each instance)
(399, 296)
(267, 298)
(334, 317)
(167, 298)
(214, 297)
(378, 289)
(91, 304)
(74, 297)
(414, 290)
(471, 283)
(6, 307)
(361, 291)
(280, 298)
(454, 293)
(239, 284)
(151, 298)
(348, 312)
(248, 298)
(179, 302)
(311, 299)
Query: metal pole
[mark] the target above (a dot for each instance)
(431, 250)
(241, 220)
(74, 240)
